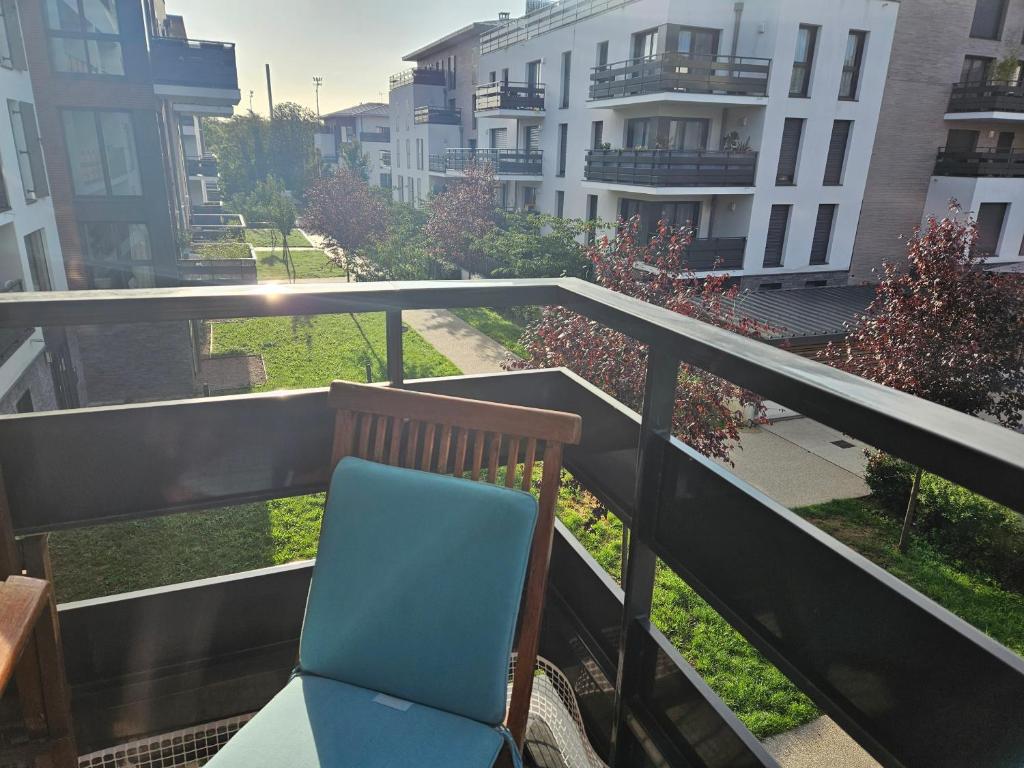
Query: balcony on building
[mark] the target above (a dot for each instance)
(507, 164)
(381, 135)
(199, 76)
(681, 77)
(205, 166)
(514, 100)
(419, 76)
(11, 339)
(426, 115)
(671, 171)
(437, 164)
(980, 163)
(991, 101)
(905, 678)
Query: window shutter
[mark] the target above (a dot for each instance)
(822, 234)
(837, 152)
(776, 241)
(988, 19)
(790, 150)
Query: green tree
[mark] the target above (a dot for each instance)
(536, 245)
(269, 202)
(355, 160)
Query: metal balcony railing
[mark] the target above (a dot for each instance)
(202, 166)
(989, 96)
(682, 73)
(909, 681)
(712, 253)
(671, 167)
(380, 135)
(11, 339)
(547, 19)
(504, 162)
(437, 164)
(980, 163)
(196, 63)
(520, 97)
(437, 116)
(419, 76)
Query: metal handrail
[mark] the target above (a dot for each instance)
(682, 72)
(545, 20)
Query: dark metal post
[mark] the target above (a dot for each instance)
(394, 341)
(638, 576)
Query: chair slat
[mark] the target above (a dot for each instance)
(512, 463)
(492, 458)
(396, 440)
(478, 452)
(460, 452)
(410, 446)
(531, 455)
(344, 431)
(365, 422)
(443, 449)
(428, 447)
(381, 431)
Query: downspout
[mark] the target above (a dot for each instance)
(738, 10)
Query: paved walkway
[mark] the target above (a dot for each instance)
(464, 345)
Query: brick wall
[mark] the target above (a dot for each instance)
(37, 380)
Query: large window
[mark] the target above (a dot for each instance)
(645, 44)
(976, 69)
(35, 246)
(419, 154)
(30, 151)
(775, 244)
(989, 16)
(601, 59)
(836, 158)
(566, 77)
(101, 150)
(990, 227)
(12, 49)
(533, 75)
(803, 61)
(84, 36)
(560, 204)
(563, 146)
(789, 151)
(697, 41)
(683, 133)
(674, 214)
(597, 134)
(118, 255)
(852, 62)
(822, 238)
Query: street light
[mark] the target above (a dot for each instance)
(317, 82)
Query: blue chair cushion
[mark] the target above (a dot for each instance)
(417, 586)
(318, 723)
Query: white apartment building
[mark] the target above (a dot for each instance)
(368, 124)
(753, 121)
(36, 372)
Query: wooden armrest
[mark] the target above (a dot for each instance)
(22, 601)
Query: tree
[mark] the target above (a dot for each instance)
(709, 412)
(270, 203)
(944, 330)
(347, 214)
(536, 245)
(462, 214)
(355, 160)
(401, 252)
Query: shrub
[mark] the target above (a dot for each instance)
(890, 480)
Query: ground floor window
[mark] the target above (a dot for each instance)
(683, 213)
(118, 255)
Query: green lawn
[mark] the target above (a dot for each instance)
(490, 323)
(222, 251)
(309, 263)
(266, 238)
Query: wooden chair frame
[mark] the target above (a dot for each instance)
(452, 435)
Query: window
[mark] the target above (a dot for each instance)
(591, 216)
(30, 151)
(410, 191)
(803, 61)
(775, 243)
(101, 149)
(563, 146)
(118, 255)
(533, 74)
(601, 59)
(35, 246)
(962, 140)
(770, 287)
(976, 69)
(698, 42)
(408, 153)
(419, 154)
(499, 138)
(689, 134)
(401, 189)
(989, 16)
(822, 234)
(990, 227)
(639, 133)
(597, 134)
(566, 70)
(12, 48)
(84, 36)
(504, 75)
(529, 199)
(5, 201)
(836, 158)
(645, 44)
(385, 181)
(789, 151)
(675, 214)
(851, 65)
(493, 77)
(419, 191)
(560, 204)
(531, 138)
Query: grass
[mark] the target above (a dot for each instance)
(309, 263)
(222, 251)
(499, 328)
(264, 238)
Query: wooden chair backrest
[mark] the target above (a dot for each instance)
(456, 436)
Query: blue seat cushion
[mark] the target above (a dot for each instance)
(417, 586)
(319, 723)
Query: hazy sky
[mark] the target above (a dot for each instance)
(355, 46)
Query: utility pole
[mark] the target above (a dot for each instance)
(317, 82)
(251, 92)
(270, 94)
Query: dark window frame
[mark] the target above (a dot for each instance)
(87, 37)
(104, 160)
(838, 179)
(11, 37)
(560, 204)
(806, 66)
(784, 175)
(849, 83)
(563, 148)
(115, 265)
(601, 56)
(716, 35)
(33, 150)
(566, 79)
(972, 63)
(773, 260)
(977, 20)
(819, 257)
(38, 264)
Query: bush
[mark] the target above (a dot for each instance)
(984, 535)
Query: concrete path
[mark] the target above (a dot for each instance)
(817, 744)
(464, 345)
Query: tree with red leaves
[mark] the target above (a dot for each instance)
(709, 412)
(943, 329)
(343, 210)
(461, 215)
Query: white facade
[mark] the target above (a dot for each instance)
(413, 143)
(367, 124)
(30, 253)
(763, 29)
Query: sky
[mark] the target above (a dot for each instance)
(354, 46)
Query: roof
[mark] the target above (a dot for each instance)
(475, 29)
(805, 313)
(368, 109)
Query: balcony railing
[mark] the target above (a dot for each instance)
(217, 271)
(991, 96)
(671, 168)
(419, 76)
(913, 684)
(710, 253)
(382, 135)
(504, 162)
(196, 63)
(546, 19)
(202, 166)
(682, 73)
(437, 164)
(980, 163)
(437, 116)
(11, 339)
(520, 97)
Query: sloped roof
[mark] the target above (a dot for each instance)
(805, 313)
(475, 29)
(368, 109)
